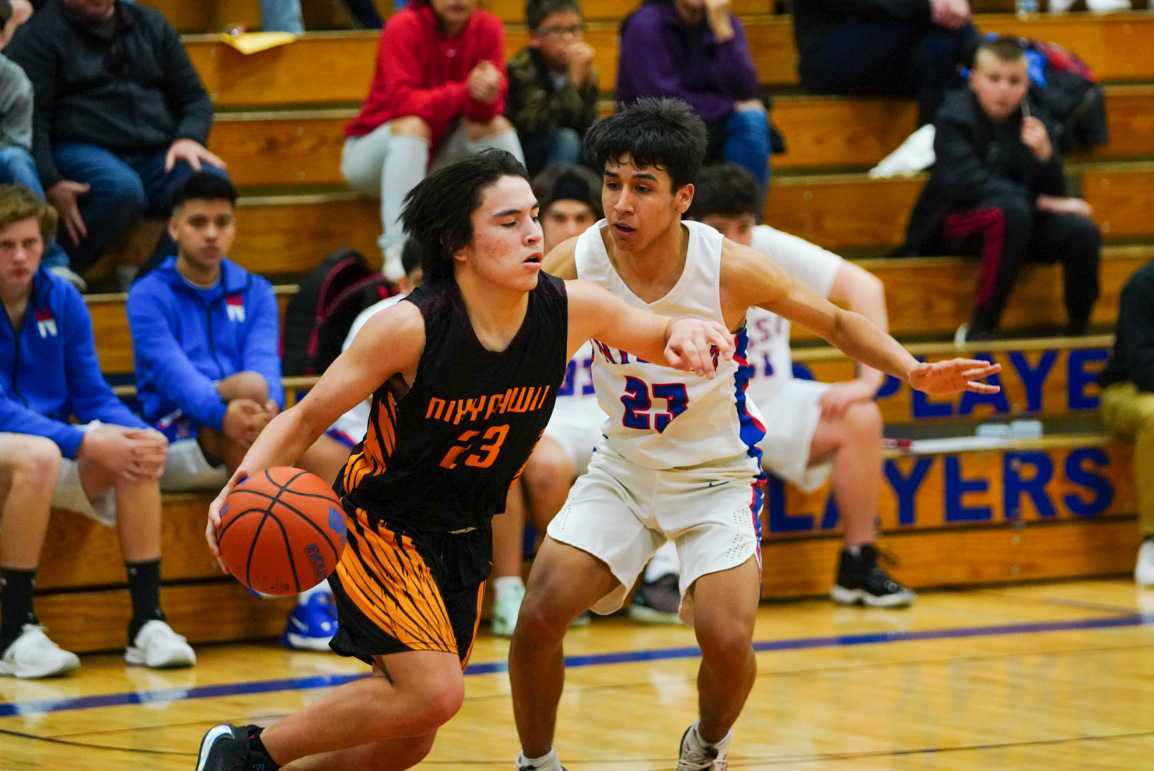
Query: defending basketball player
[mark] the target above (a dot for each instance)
(463, 374)
(679, 460)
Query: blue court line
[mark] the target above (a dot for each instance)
(8, 709)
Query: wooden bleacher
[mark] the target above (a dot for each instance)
(926, 296)
(289, 75)
(303, 147)
(843, 211)
(1061, 506)
(1048, 508)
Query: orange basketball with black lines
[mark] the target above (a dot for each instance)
(282, 530)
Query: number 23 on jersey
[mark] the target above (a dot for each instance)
(639, 400)
(479, 450)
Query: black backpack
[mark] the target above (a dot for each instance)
(1068, 90)
(319, 316)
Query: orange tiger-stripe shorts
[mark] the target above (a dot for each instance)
(401, 589)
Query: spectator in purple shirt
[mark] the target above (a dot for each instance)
(695, 50)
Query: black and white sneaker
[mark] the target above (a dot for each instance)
(225, 747)
(861, 580)
(657, 602)
(695, 755)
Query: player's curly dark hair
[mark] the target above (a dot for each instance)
(663, 133)
(725, 190)
(438, 211)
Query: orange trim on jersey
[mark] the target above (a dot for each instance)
(389, 582)
(380, 440)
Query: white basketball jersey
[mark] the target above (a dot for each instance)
(577, 386)
(808, 264)
(660, 417)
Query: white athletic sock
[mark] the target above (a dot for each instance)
(696, 737)
(547, 762)
(506, 584)
(664, 562)
(323, 586)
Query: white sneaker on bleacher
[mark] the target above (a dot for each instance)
(1144, 567)
(913, 156)
(71, 276)
(33, 654)
(157, 646)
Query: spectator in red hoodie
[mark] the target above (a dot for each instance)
(437, 96)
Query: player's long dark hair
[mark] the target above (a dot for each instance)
(438, 211)
(725, 190)
(664, 133)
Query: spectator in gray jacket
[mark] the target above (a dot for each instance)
(120, 121)
(16, 164)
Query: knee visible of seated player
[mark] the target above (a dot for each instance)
(76, 467)
(1128, 401)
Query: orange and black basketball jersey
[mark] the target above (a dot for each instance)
(441, 455)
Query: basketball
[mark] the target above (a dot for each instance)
(281, 531)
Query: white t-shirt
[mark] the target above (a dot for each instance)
(808, 264)
(354, 422)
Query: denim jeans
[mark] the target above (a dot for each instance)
(559, 147)
(898, 58)
(18, 168)
(278, 16)
(746, 143)
(124, 188)
(285, 15)
(281, 16)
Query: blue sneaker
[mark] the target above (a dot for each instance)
(311, 624)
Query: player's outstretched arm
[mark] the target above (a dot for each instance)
(688, 344)
(747, 280)
(391, 342)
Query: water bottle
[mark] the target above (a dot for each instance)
(1027, 6)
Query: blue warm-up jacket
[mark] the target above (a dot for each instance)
(186, 339)
(49, 370)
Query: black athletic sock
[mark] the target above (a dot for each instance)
(258, 757)
(144, 585)
(16, 587)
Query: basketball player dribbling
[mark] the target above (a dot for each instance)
(679, 459)
(462, 375)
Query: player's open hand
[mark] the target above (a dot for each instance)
(215, 510)
(697, 346)
(954, 376)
